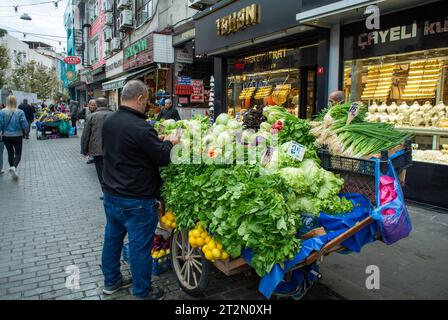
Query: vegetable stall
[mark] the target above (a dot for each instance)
(269, 194)
(52, 125)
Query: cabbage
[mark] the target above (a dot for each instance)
(224, 139)
(218, 129)
(169, 124)
(223, 118)
(247, 136)
(265, 127)
(233, 124)
(331, 185)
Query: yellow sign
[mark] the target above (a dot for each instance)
(239, 20)
(265, 56)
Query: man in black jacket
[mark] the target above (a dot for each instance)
(168, 112)
(29, 115)
(132, 155)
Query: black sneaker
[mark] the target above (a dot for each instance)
(124, 283)
(155, 294)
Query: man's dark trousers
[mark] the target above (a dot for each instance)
(99, 169)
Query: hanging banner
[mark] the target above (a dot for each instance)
(198, 91)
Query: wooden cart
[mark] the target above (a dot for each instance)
(193, 270)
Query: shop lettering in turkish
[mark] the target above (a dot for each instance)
(239, 20)
(198, 91)
(139, 53)
(136, 48)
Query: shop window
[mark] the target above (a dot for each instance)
(143, 11)
(409, 91)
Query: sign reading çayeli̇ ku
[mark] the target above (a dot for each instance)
(416, 31)
(238, 20)
(153, 48)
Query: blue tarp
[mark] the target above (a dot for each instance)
(334, 225)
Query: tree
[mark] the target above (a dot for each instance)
(35, 77)
(4, 60)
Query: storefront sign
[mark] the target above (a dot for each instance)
(198, 91)
(136, 48)
(270, 17)
(71, 76)
(183, 100)
(184, 57)
(239, 20)
(266, 56)
(184, 80)
(183, 90)
(154, 48)
(416, 32)
(114, 65)
(113, 85)
(72, 60)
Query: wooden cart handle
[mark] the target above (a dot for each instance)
(338, 240)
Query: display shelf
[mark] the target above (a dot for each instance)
(435, 132)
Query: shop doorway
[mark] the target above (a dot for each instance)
(308, 85)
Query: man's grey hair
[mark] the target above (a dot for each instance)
(168, 100)
(133, 89)
(338, 96)
(101, 102)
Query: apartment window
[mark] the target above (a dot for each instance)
(94, 51)
(143, 11)
(93, 9)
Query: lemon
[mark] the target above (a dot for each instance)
(224, 255)
(216, 253)
(207, 239)
(219, 246)
(211, 244)
(208, 255)
(190, 233)
(196, 233)
(173, 225)
(162, 253)
(199, 242)
(163, 219)
(204, 249)
(192, 241)
(204, 234)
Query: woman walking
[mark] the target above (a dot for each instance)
(12, 125)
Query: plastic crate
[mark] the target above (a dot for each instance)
(159, 265)
(359, 174)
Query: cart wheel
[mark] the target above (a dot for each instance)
(191, 267)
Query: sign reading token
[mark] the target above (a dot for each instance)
(296, 151)
(72, 60)
(353, 112)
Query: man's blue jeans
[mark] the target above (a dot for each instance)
(139, 219)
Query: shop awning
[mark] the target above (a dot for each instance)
(120, 82)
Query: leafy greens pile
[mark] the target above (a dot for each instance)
(256, 206)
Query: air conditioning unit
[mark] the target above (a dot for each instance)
(125, 20)
(115, 44)
(123, 4)
(109, 19)
(201, 4)
(107, 6)
(107, 34)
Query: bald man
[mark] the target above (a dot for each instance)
(336, 97)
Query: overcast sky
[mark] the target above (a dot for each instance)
(46, 20)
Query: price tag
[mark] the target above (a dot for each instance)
(296, 151)
(352, 112)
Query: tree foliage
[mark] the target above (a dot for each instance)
(34, 77)
(4, 64)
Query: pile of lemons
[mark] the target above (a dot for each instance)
(200, 238)
(160, 253)
(168, 220)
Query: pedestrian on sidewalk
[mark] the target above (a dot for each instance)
(91, 140)
(29, 115)
(132, 154)
(74, 110)
(91, 107)
(2, 145)
(12, 126)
